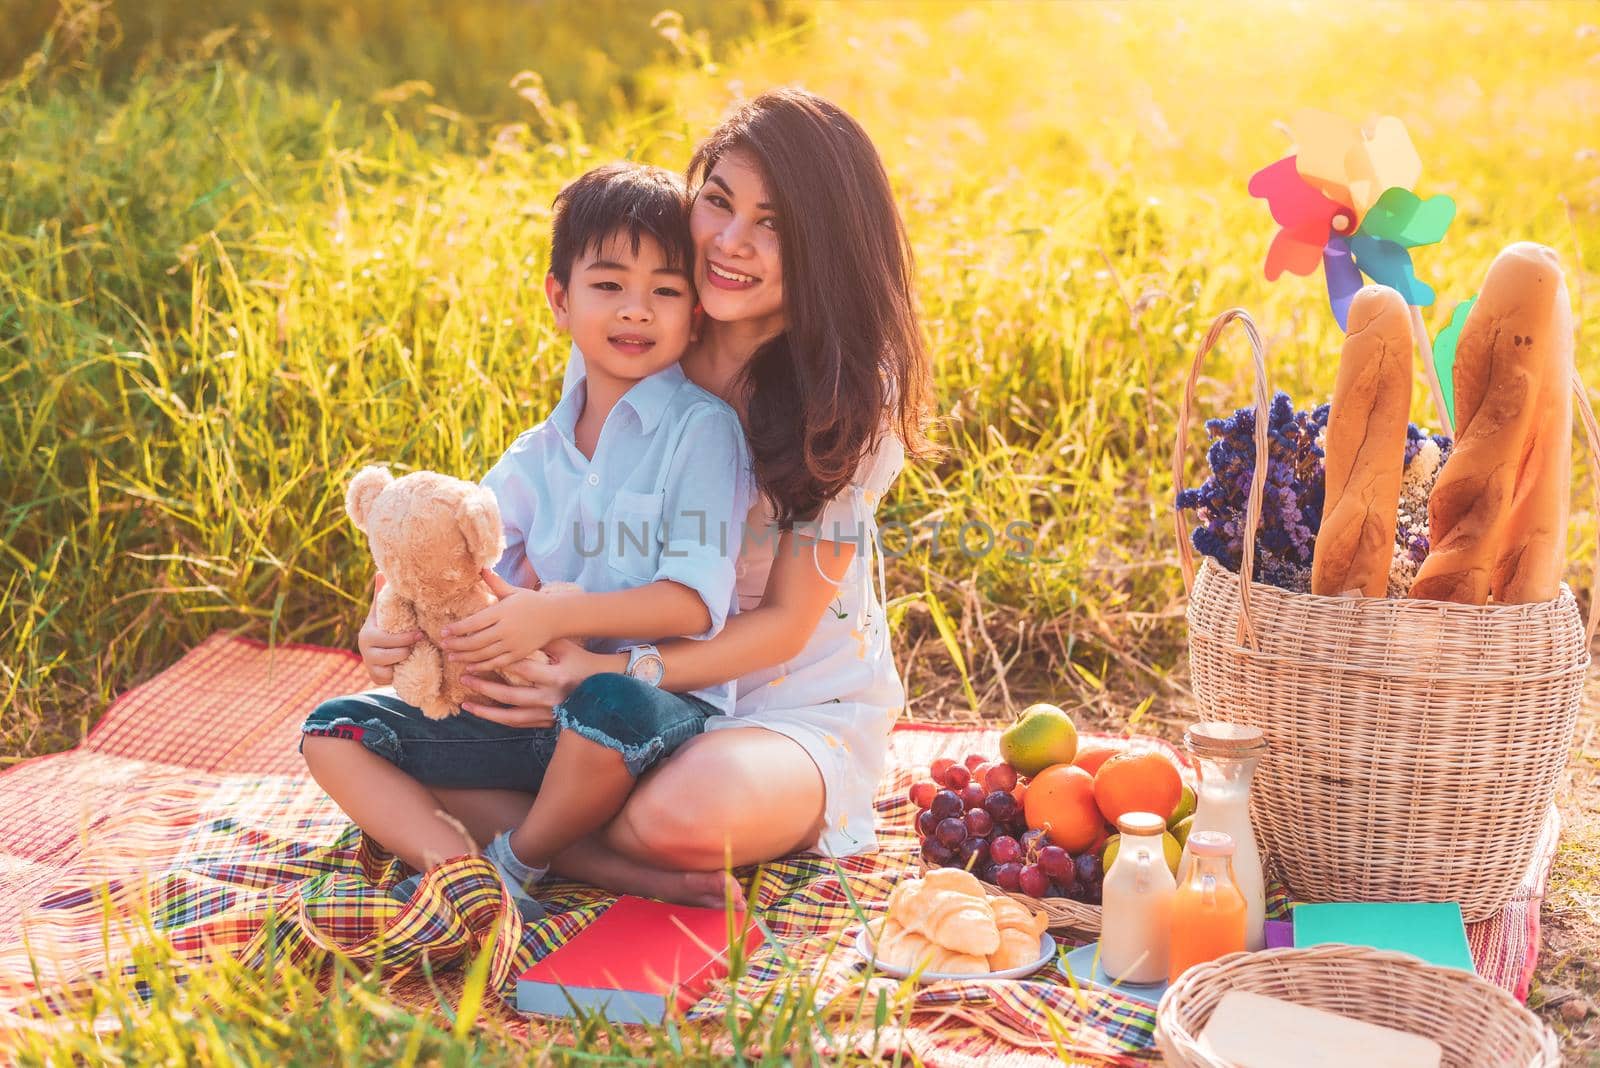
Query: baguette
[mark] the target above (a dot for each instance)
(1366, 448)
(1500, 361)
(1534, 553)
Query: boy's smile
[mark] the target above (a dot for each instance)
(632, 344)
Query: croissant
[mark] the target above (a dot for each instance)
(953, 962)
(1020, 930)
(904, 890)
(948, 907)
(957, 879)
(894, 945)
(959, 922)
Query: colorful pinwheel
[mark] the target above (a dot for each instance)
(1344, 198)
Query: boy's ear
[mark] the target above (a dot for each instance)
(556, 294)
(364, 489)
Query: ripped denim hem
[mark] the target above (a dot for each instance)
(638, 759)
(374, 734)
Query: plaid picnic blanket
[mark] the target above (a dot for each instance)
(188, 801)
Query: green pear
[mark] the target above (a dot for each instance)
(1171, 850)
(1043, 735)
(1185, 808)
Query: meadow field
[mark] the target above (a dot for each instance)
(247, 248)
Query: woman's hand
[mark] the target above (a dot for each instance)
(380, 650)
(535, 688)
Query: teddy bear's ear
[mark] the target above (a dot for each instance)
(364, 489)
(480, 524)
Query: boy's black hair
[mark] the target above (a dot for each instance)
(621, 196)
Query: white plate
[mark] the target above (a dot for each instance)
(1047, 953)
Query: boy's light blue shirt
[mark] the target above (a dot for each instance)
(665, 497)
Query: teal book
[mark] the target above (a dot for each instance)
(1432, 931)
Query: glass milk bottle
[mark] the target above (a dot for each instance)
(1208, 912)
(1227, 754)
(1136, 903)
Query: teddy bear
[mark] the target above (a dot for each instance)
(431, 537)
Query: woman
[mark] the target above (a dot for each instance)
(804, 272)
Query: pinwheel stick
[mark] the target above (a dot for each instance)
(1426, 348)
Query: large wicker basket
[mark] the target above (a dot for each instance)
(1415, 745)
(1475, 1022)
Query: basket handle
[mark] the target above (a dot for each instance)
(1258, 480)
(1591, 432)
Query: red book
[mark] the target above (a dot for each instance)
(639, 961)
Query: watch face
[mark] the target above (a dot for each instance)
(648, 668)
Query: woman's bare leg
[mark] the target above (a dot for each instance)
(485, 813)
(384, 801)
(725, 799)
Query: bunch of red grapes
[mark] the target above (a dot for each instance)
(970, 818)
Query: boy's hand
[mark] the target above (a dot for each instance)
(380, 650)
(516, 626)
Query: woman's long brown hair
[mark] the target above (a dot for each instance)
(851, 349)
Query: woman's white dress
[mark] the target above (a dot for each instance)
(840, 697)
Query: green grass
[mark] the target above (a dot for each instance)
(235, 266)
(327, 1010)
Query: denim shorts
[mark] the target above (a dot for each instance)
(642, 723)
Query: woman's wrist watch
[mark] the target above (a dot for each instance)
(644, 664)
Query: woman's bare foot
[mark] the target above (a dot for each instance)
(589, 861)
(708, 889)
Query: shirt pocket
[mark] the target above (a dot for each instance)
(633, 534)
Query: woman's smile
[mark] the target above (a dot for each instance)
(727, 278)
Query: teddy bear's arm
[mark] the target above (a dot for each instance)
(419, 678)
(394, 613)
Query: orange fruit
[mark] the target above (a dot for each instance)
(1139, 780)
(1092, 753)
(1060, 802)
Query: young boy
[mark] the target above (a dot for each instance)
(634, 488)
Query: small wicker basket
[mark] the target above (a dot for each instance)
(1415, 745)
(1475, 1022)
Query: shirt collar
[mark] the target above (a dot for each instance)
(648, 397)
(574, 390)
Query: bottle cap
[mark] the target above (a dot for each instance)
(1225, 740)
(1211, 844)
(1141, 823)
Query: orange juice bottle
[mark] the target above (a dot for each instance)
(1208, 911)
